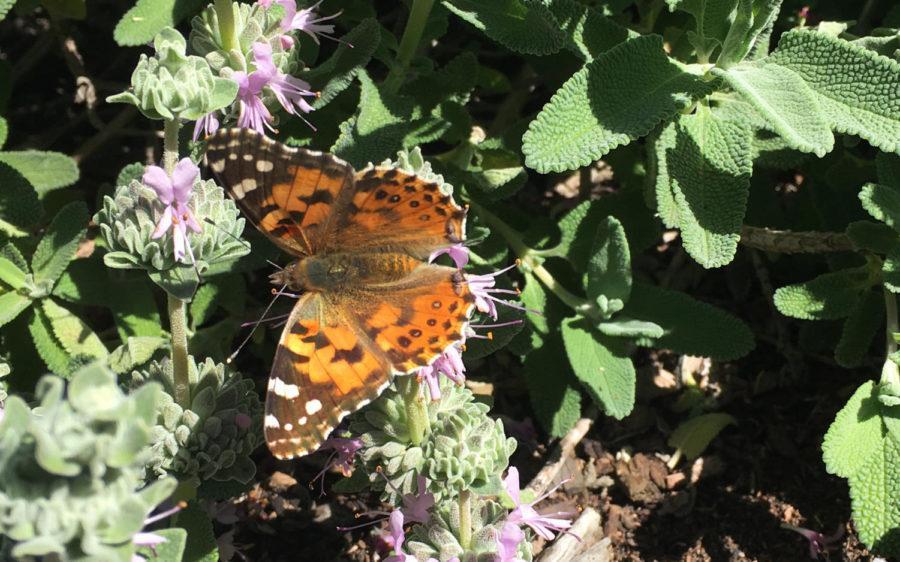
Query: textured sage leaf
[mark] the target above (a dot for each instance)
(336, 74)
(60, 242)
(783, 98)
(606, 373)
(180, 282)
(5, 7)
(691, 327)
(555, 399)
(133, 353)
(49, 349)
(873, 236)
(11, 305)
(875, 495)
(709, 172)
(658, 173)
(72, 333)
(202, 545)
(857, 90)
(859, 330)
(4, 131)
(828, 296)
(11, 274)
(752, 26)
(45, 171)
(609, 268)
(628, 328)
(524, 26)
(693, 436)
(588, 32)
(141, 23)
(20, 208)
(882, 201)
(855, 434)
(616, 98)
(712, 18)
(890, 270)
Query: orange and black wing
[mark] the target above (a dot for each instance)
(290, 194)
(338, 352)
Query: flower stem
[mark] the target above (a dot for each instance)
(170, 144)
(416, 411)
(890, 372)
(178, 330)
(412, 34)
(225, 15)
(465, 519)
(531, 259)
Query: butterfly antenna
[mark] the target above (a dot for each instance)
(257, 323)
(244, 242)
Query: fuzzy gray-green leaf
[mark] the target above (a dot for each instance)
(857, 90)
(609, 268)
(524, 26)
(828, 296)
(709, 171)
(616, 98)
(59, 244)
(875, 495)
(786, 101)
(555, 400)
(588, 32)
(20, 209)
(608, 376)
(45, 171)
(859, 330)
(148, 17)
(337, 73)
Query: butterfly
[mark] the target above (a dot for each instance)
(371, 305)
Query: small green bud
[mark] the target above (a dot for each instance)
(172, 85)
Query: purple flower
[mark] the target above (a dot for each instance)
(416, 506)
(450, 364)
(343, 452)
(207, 124)
(483, 288)
(175, 193)
(543, 525)
(253, 113)
(818, 543)
(396, 526)
(457, 252)
(508, 543)
(305, 20)
(289, 91)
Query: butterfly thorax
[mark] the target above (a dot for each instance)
(345, 271)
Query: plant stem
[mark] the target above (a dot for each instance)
(890, 372)
(531, 259)
(465, 519)
(412, 34)
(416, 411)
(225, 15)
(170, 144)
(178, 330)
(177, 307)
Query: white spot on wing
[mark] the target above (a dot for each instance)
(313, 406)
(272, 421)
(284, 390)
(264, 166)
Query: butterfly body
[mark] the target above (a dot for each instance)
(371, 304)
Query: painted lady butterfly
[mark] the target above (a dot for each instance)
(371, 305)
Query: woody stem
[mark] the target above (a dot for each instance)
(412, 34)
(176, 306)
(416, 411)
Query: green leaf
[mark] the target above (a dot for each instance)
(629, 328)
(141, 23)
(170, 551)
(828, 296)
(499, 337)
(202, 545)
(891, 270)
(181, 281)
(131, 172)
(607, 374)
(875, 495)
(337, 73)
(616, 98)
(524, 26)
(609, 268)
(11, 274)
(555, 398)
(859, 330)
(45, 171)
(752, 24)
(888, 166)
(856, 433)
(712, 21)
(73, 335)
(788, 104)
(658, 172)
(60, 242)
(691, 327)
(11, 305)
(882, 202)
(46, 344)
(134, 353)
(20, 209)
(5, 7)
(693, 436)
(71, 9)
(855, 88)
(4, 129)
(588, 32)
(873, 236)
(709, 173)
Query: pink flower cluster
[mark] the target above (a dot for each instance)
(175, 192)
